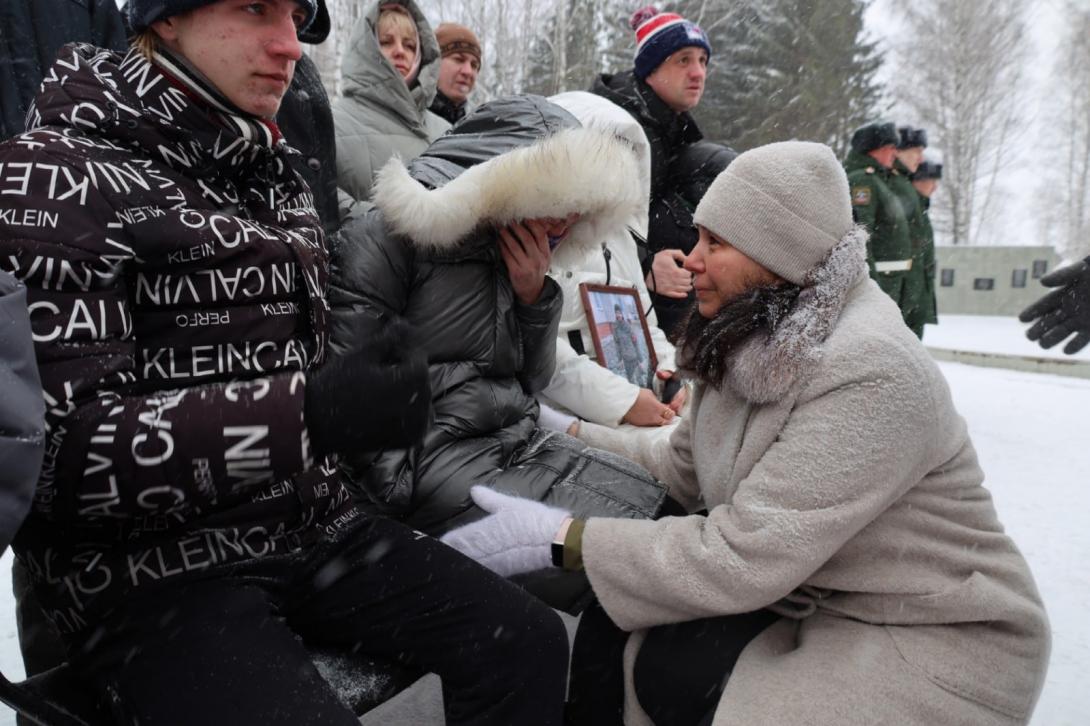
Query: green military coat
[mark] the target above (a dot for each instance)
(915, 286)
(929, 309)
(876, 206)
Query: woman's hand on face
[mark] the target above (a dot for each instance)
(667, 277)
(524, 247)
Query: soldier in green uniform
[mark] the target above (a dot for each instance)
(926, 180)
(910, 145)
(875, 205)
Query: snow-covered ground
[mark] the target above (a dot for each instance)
(990, 334)
(1034, 444)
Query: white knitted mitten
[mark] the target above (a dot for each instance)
(515, 537)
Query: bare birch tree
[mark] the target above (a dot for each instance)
(343, 14)
(1070, 186)
(960, 71)
(507, 30)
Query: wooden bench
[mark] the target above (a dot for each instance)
(58, 698)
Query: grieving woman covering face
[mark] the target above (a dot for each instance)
(849, 567)
(459, 245)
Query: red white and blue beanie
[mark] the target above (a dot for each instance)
(143, 13)
(659, 35)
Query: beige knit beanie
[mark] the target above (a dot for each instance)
(783, 205)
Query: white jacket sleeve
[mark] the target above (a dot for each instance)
(590, 391)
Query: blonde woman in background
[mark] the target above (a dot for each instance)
(391, 69)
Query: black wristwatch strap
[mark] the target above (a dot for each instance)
(558, 554)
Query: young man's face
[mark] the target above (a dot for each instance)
(911, 157)
(926, 187)
(884, 155)
(246, 48)
(458, 75)
(679, 80)
(721, 273)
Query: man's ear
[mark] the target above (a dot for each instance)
(166, 29)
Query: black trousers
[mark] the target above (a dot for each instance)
(679, 674)
(227, 650)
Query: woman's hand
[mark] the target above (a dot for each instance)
(524, 247)
(515, 537)
(648, 410)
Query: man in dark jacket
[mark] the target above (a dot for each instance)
(306, 120)
(665, 84)
(430, 252)
(670, 217)
(458, 70)
(31, 33)
(21, 410)
(189, 522)
(875, 205)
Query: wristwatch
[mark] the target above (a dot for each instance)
(558, 543)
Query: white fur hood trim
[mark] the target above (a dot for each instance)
(767, 367)
(575, 170)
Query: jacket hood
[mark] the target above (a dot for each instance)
(596, 112)
(130, 101)
(370, 77)
(513, 159)
(319, 27)
(769, 365)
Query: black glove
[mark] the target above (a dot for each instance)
(1063, 311)
(375, 397)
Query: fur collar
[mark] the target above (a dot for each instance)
(575, 170)
(768, 366)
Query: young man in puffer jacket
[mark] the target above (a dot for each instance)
(188, 523)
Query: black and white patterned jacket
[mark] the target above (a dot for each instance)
(175, 270)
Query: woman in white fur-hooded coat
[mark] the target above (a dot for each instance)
(429, 253)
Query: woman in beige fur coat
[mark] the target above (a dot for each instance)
(837, 491)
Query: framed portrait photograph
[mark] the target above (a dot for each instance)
(622, 340)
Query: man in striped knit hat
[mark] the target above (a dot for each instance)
(664, 85)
